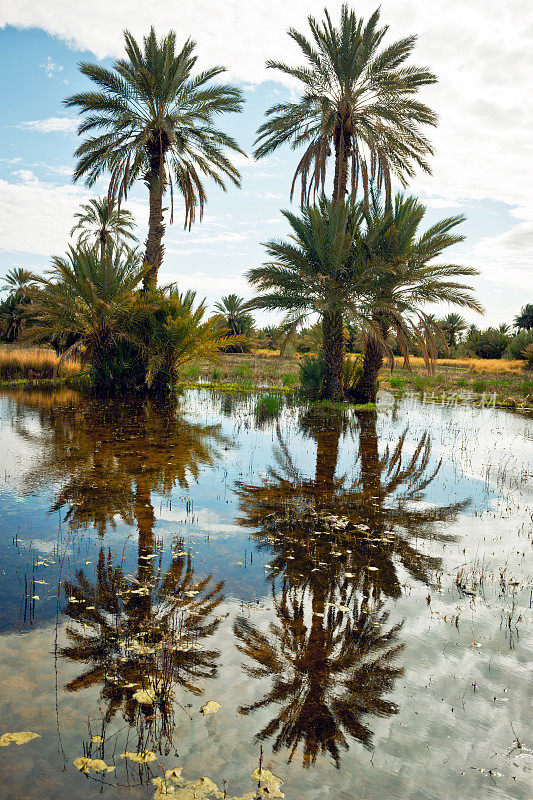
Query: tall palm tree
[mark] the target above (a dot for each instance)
(154, 121)
(312, 273)
(359, 99)
(99, 223)
(406, 278)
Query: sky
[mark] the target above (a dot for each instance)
(481, 51)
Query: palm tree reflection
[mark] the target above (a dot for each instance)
(338, 549)
(141, 635)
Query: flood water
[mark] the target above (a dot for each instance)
(354, 590)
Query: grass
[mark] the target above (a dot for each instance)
(266, 371)
(33, 363)
(268, 406)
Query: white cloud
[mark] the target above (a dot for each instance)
(481, 52)
(52, 125)
(25, 175)
(50, 67)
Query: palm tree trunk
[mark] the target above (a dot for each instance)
(155, 180)
(342, 149)
(365, 389)
(333, 352)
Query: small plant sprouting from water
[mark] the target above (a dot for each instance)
(268, 407)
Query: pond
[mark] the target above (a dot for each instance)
(340, 601)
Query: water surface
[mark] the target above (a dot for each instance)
(354, 590)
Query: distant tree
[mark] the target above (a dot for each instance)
(100, 223)
(18, 283)
(453, 326)
(524, 320)
(155, 122)
(236, 319)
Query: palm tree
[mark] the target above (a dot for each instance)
(89, 301)
(358, 99)
(154, 121)
(453, 325)
(524, 320)
(312, 273)
(406, 278)
(18, 280)
(99, 224)
(235, 318)
(18, 283)
(128, 338)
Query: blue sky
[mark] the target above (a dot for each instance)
(482, 167)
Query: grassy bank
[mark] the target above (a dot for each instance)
(502, 381)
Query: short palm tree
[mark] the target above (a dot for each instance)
(154, 121)
(99, 223)
(311, 273)
(236, 319)
(90, 302)
(359, 100)
(18, 282)
(406, 278)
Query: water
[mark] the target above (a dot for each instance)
(355, 592)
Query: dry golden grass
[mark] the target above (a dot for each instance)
(478, 365)
(32, 363)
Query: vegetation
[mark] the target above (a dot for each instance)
(100, 224)
(404, 278)
(237, 321)
(128, 339)
(149, 118)
(524, 320)
(358, 101)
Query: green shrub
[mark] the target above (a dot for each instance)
(419, 382)
(490, 343)
(312, 371)
(519, 343)
(191, 371)
(289, 379)
(462, 382)
(242, 371)
(479, 385)
(396, 383)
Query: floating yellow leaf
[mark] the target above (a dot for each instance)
(144, 696)
(211, 707)
(20, 737)
(271, 782)
(97, 739)
(173, 774)
(140, 758)
(85, 764)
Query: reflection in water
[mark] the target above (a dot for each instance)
(139, 635)
(337, 547)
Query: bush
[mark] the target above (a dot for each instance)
(312, 372)
(479, 386)
(527, 355)
(490, 343)
(289, 379)
(396, 383)
(518, 344)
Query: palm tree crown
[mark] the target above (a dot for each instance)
(356, 97)
(99, 223)
(150, 118)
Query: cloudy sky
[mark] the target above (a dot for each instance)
(481, 50)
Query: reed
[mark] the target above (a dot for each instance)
(32, 363)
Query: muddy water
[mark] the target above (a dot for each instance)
(355, 591)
